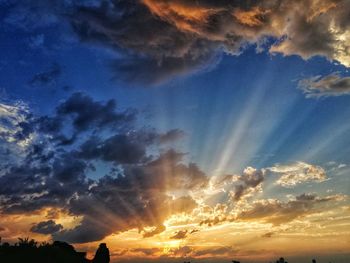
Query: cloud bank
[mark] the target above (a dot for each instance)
(157, 40)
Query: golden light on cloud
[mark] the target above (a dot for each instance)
(184, 17)
(251, 17)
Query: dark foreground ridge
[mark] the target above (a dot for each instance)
(29, 251)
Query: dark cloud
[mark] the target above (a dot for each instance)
(182, 234)
(133, 192)
(40, 185)
(248, 181)
(47, 78)
(194, 231)
(327, 86)
(157, 230)
(46, 227)
(87, 113)
(78, 114)
(122, 149)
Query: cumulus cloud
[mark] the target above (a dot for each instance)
(46, 227)
(297, 173)
(330, 85)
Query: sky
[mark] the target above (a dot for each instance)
(177, 129)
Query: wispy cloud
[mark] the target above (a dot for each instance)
(326, 86)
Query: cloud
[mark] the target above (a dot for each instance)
(135, 191)
(277, 212)
(47, 78)
(189, 252)
(140, 187)
(12, 115)
(46, 227)
(158, 40)
(298, 173)
(204, 29)
(137, 199)
(214, 252)
(327, 86)
(87, 113)
(182, 234)
(118, 148)
(147, 251)
(157, 230)
(248, 182)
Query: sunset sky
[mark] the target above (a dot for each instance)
(207, 130)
